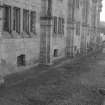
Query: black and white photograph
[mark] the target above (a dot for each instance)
(52, 52)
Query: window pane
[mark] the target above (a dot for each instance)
(7, 18)
(59, 25)
(78, 29)
(55, 25)
(16, 19)
(26, 21)
(62, 25)
(32, 21)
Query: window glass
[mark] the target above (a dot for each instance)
(26, 21)
(7, 18)
(16, 19)
(55, 25)
(32, 22)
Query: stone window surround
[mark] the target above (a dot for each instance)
(21, 22)
(58, 23)
(7, 18)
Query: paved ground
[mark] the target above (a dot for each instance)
(75, 84)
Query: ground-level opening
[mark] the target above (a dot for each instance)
(21, 60)
(55, 52)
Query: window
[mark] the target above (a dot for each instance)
(44, 7)
(55, 52)
(85, 11)
(16, 19)
(55, 25)
(77, 3)
(32, 22)
(7, 18)
(59, 25)
(21, 60)
(62, 26)
(12, 19)
(78, 29)
(73, 10)
(26, 21)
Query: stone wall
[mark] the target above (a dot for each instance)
(68, 44)
(13, 44)
(12, 48)
(59, 9)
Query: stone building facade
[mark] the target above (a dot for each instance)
(20, 31)
(42, 31)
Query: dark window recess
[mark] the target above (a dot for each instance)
(62, 26)
(56, 53)
(26, 21)
(78, 28)
(77, 3)
(55, 25)
(59, 25)
(33, 22)
(7, 18)
(21, 60)
(16, 19)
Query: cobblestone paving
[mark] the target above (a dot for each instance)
(75, 84)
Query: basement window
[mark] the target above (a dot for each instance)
(55, 52)
(21, 60)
